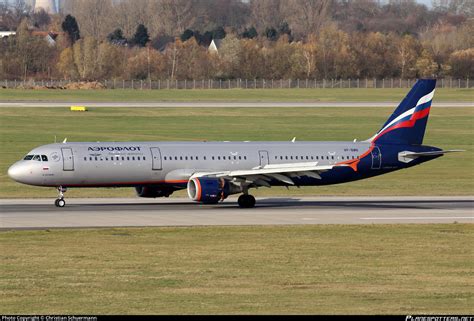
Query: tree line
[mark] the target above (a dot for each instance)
(259, 39)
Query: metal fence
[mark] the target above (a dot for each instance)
(241, 83)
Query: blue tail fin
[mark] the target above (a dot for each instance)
(408, 122)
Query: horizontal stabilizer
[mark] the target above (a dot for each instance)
(407, 156)
(435, 153)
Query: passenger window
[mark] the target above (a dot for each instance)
(212, 157)
(144, 158)
(245, 157)
(332, 157)
(96, 158)
(107, 159)
(165, 157)
(218, 158)
(186, 157)
(235, 157)
(138, 158)
(286, 157)
(176, 158)
(197, 158)
(85, 158)
(240, 157)
(223, 157)
(190, 157)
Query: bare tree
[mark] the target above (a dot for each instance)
(92, 16)
(177, 15)
(266, 13)
(306, 16)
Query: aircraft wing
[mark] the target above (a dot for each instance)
(262, 175)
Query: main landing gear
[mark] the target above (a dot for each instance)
(60, 202)
(246, 201)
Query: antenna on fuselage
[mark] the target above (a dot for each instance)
(293, 140)
(55, 139)
(65, 140)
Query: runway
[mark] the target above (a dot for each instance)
(244, 104)
(78, 213)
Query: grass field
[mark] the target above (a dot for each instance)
(365, 269)
(295, 95)
(22, 129)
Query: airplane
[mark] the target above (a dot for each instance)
(211, 171)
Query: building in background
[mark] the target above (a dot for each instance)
(47, 5)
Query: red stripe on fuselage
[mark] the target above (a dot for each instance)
(352, 163)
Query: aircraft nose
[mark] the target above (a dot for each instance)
(16, 172)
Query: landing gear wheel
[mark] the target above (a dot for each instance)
(246, 201)
(60, 202)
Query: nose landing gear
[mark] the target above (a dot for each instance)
(60, 202)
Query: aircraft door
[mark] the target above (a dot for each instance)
(376, 158)
(156, 158)
(68, 159)
(263, 157)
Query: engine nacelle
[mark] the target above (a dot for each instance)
(153, 192)
(210, 190)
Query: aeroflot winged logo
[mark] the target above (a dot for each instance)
(114, 148)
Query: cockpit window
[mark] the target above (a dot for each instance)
(28, 157)
(37, 158)
(44, 158)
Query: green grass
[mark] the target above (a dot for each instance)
(296, 95)
(359, 269)
(22, 129)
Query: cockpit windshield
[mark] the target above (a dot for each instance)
(38, 158)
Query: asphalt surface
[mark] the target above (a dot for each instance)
(220, 104)
(41, 213)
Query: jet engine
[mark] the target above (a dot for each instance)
(210, 190)
(153, 191)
